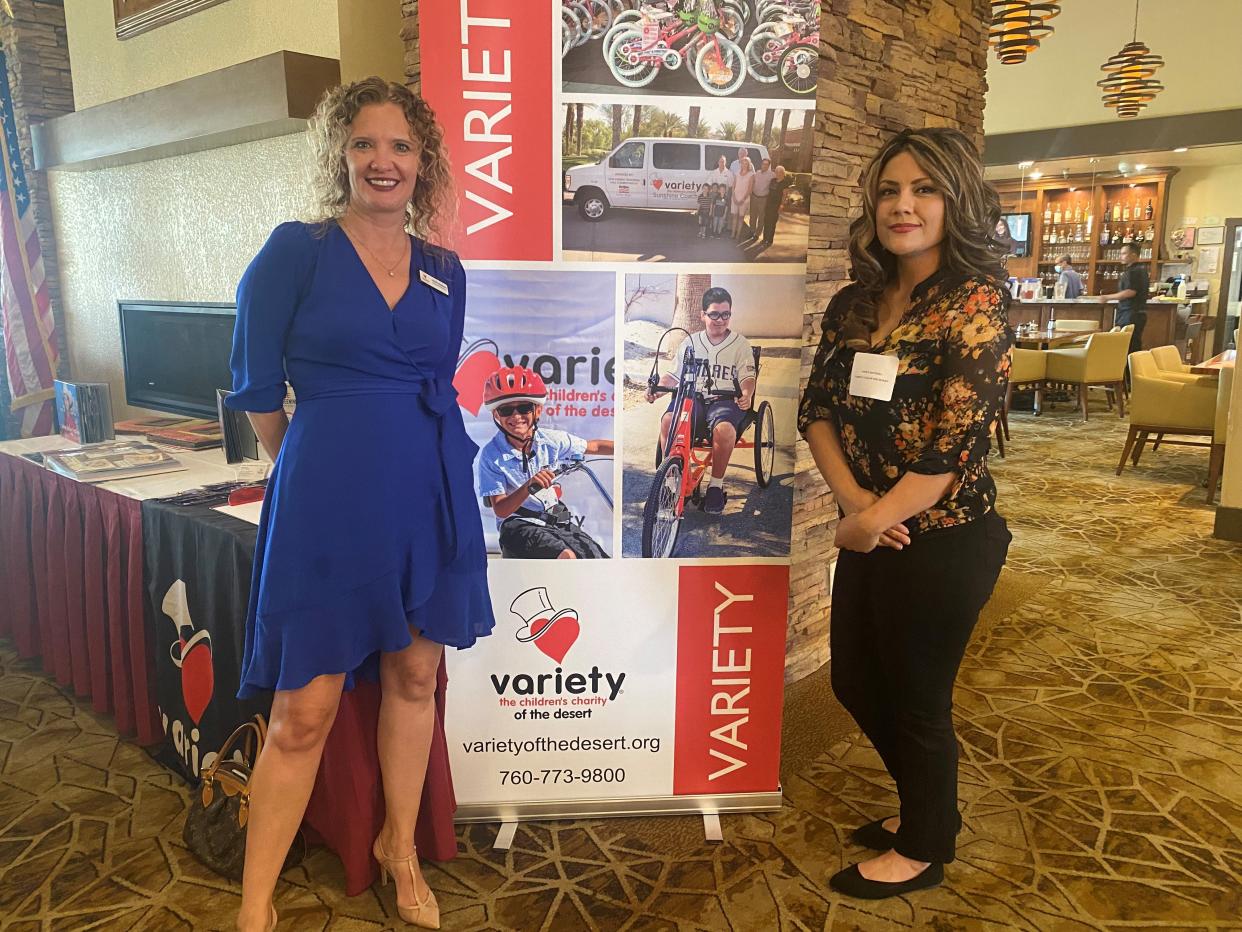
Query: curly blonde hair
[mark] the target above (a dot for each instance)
(971, 211)
(431, 213)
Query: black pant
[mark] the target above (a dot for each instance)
(772, 213)
(900, 623)
(526, 540)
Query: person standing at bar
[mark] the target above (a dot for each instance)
(1131, 296)
(1070, 277)
(776, 197)
(905, 389)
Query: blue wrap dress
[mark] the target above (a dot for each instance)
(369, 526)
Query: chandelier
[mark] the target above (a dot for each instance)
(1018, 26)
(1130, 85)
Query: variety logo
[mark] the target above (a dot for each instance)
(551, 631)
(191, 653)
(658, 183)
(473, 368)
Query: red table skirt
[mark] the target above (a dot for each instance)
(71, 594)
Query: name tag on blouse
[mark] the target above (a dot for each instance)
(433, 282)
(873, 376)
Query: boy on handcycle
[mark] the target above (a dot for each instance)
(724, 357)
(515, 473)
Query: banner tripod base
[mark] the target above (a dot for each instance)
(504, 837)
(711, 826)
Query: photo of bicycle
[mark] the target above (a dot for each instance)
(763, 49)
(535, 379)
(711, 378)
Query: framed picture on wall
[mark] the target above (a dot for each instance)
(134, 17)
(1211, 236)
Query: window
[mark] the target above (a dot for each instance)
(682, 156)
(630, 155)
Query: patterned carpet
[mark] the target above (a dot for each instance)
(1100, 715)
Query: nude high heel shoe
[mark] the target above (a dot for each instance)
(425, 915)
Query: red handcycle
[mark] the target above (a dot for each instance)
(688, 458)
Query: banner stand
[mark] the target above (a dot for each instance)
(633, 185)
(601, 808)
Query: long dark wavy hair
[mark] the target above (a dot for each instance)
(971, 210)
(431, 213)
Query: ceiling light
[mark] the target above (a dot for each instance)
(1025, 164)
(1018, 26)
(1037, 175)
(1140, 167)
(1129, 85)
(1181, 149)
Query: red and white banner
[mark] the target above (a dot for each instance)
(487, 72)
(611, 206)
(730, 678)
(582, 693)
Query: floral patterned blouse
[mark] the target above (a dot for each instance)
(953, 350)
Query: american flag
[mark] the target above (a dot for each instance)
(29, 332)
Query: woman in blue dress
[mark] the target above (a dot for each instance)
(370, 554)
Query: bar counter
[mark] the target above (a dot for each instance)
(1166, 320)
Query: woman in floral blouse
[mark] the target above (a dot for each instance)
(905, 389)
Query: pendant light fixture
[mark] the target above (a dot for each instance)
(1130, 85)
(1018, 27)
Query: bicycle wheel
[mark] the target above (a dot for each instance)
(600, 15)
(611, 38)
(567, 39)
(583, 17)
(660, 521)
(760, 47)
(571, 24)
(720, 74)
(799, 68)
(732, 21)
(765, 445)
(631, 74)
(774, 12)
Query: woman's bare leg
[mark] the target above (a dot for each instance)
(280, 787)
(405, 727)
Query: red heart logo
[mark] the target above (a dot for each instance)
(556, 638)
(658, 183)
(471, 374)
(197, 677)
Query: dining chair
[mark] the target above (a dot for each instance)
(1101, 363)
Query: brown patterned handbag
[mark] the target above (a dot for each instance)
(215, 826)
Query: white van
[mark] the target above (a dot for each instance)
(652, 171)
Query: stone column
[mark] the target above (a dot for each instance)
(884, 66)
(37, 50)
(409, 35)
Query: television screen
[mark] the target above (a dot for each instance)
(176, 355)
(1017, 228)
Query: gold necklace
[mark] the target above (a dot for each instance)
(391, 271)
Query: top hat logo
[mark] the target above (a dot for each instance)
(191, 653)
(553, 632)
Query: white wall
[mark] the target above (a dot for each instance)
(105, 68)
(1198, 39)
(1202, 193)
(173, 229)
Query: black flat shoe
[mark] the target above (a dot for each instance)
(852, 883)
(875, 836)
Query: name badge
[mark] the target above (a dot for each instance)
(874, 376)
(433, 282)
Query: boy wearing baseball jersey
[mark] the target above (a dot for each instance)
(723, 357)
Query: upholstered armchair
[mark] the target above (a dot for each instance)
(1100, 363)
(1163, 406)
